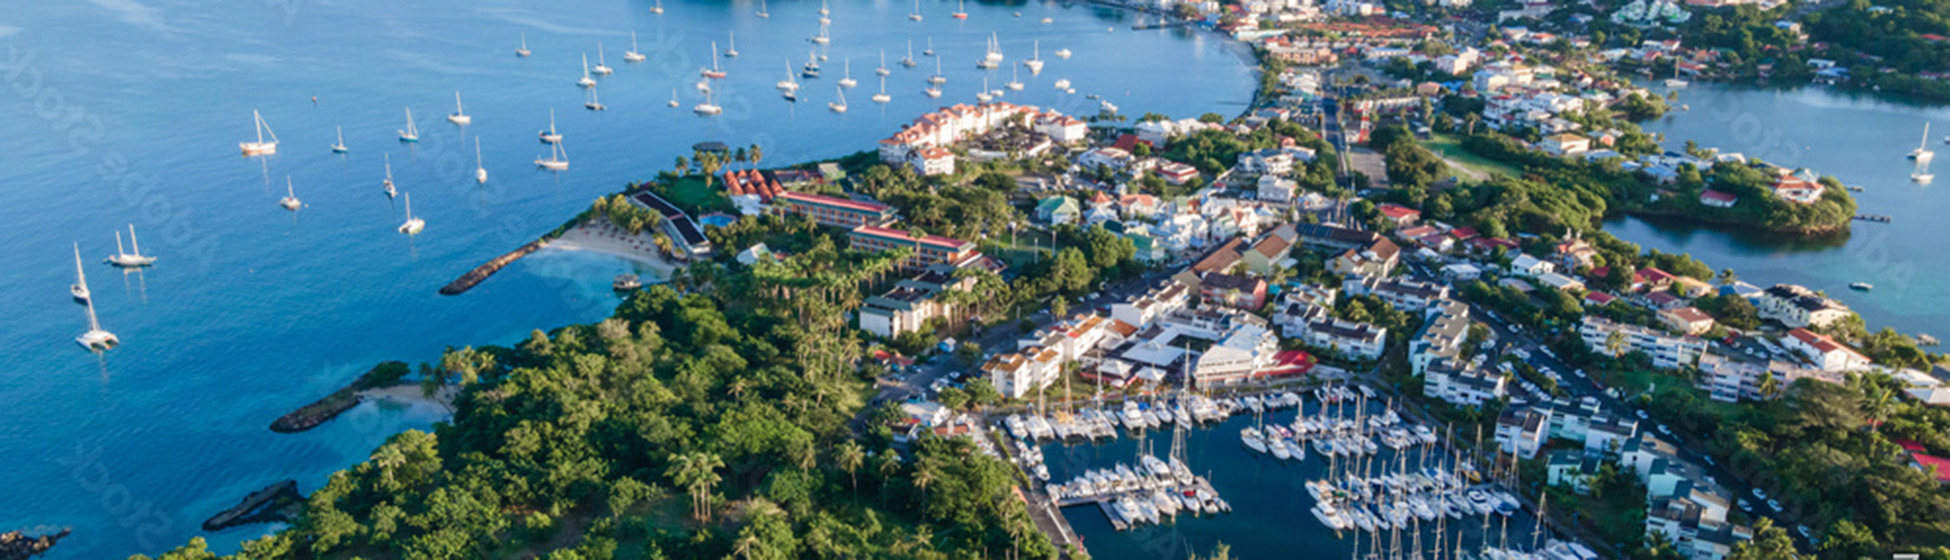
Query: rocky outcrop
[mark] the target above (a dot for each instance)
(325, 409)
(473, 277)
(18, 546)
(276, 503)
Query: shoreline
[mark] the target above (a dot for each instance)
(603, 238)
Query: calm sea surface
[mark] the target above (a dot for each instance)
(129, 111)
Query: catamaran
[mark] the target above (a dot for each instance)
(916, 16)
(846, 78)
(412, 132)
(882, 97)
(909, 61)
(523, 49)
(882, 70)
(558, 159)
(290, 201)
(460, 115)
(731, 49)
(80, 287)
(811, 70)
(1035, 62)
(1922, 151)
(134, 259)
(550, 136)
(339, 148)
(602, 68)
(480, 170)
(388, 184)
(713, 72)
(586, 81)
(707, 108)
(413, 225)
(593, 103)
(961, 10)
(632, 55)
(260, 147)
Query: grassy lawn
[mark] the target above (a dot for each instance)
(690, 194)
(1449, 147)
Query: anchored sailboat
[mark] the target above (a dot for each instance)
(1035, 62)
(388, 185)
(1015, 83)
(909, 61)
(632, 55)
(550, 136)
(412, 132)
(659, 8)
(96, 339)
(1922, 151)
(838, 106)
(673, 97)
(523, 49)
(558, 159)
(602, 68)
(80, 287)
(788, 85)
(586, 81)
(290, 201)
(707, 108)
(762, 14)
(260, 147)
(339, 148)
(882, 70)
(916, 16)
(460, 114)
(846, 79)
(882, 97)
(713, 72)
(593, 103)
(480, 170)
(133, 259)
(413, 225)
(731, 47)
(961, 10)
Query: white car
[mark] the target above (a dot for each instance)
(1774, 505)
(1759, 493)
(1642, 414)
(1664, 430)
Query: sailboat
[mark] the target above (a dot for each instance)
(550, 136)
(882, 97)
(460, 116)
(558, 159)
(480, 169)
(937, 78)
(602, 68)
(811, 70)
(659, 8)
(916, 16)
(632, 55)
(523, 49)
(593, 103)
(95, 339)
(846, 79)
(731, 50)
(909, 61)
(984, 95)
(412, 132)
(882, 69)
(1922, 151)
(388, 184)
(995, 49)
(586, 81)
(788, 85)
(133, 259)
(1015, 84)
(930, 50)
(961, 10)
(824, 12)
(933, 92)
(673, 97)
(339, 148)
(1063, 53)
(1063, 83)
(713, 72)
(1035, 62)
(761, 10)
(260, 147)
(413, 225)
(707, 108)
(80, 287)
(838, 106)
(290, 200)
(822, 38)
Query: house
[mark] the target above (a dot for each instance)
(1717, 199)
(1399, 215)
(1176, 173)
(1354, 340)
(1057, 210)
(1570, 468)
(929, 162)
(1221, 259)
(1823, 351)
(1105, 157)
(1238, 292)
(1146, 309)
(1798, 190)
(1797, 306)
(1276, 189)
(1521, 431)
(1574, 253)
(1564, 144)
(1269, 161)
(1920, 459)
(1270, 251)
(1560, 282)
(1401, 293)
(1530, 267)
(1686, 320)
(834, 211)
(1137, 205)
(1377, 258)
(913, 302)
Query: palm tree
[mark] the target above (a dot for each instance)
(697, 472)
(1728, 276)
(738, 156)
(683, 166)
(851, 458)
(746, 545)
(1769, 385)
(710, 163)
(925, 475)
(1615, 344)
(754, 153)
(1876, 405)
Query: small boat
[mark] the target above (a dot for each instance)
(632, 55)
(916, 16)
(1035, 62)
(412, 131)
(339, 147)
(480, 170)
(938, 78)
(707, 108)
(961, 10)
(601, 68)
(558, 159)
(823, 10)
(822, 38)
(882, 97)
(133, 259)
(79, 290)
(704, 85)
(909, 61)
(811, 69)
(260, 147)
(1677, 83)
(586, 81)
(984, 95)
(388, 184)
(593, 103)
(659, 8)
(788, 84)
(95, 339)
(1063, 53)
(761, 13)
(1063, 84)
(413, 225)
(930, 50)
(460, 116)
(626, 282)
(523, 49)
(933, 92)
(994, 53)
(713, 72)
(882, 70)
(838, 106)
(1015, 82)
(1922, 151)
(1862, 286)
(550, 136)
(1047, 21)
(673, 97)
(290, 201)
(846, 77)
(731, 48)
(1921, 177)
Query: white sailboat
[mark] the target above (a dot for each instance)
(713, 72)
(916, 16)
(632, 55)
(558, 158)
(339, 148)
(550, 136)
(523, 49)
(984, 95)
(762, 14)
(480, 169)
(823, 10)
(413, 225)
(731, 48)
(1922, 151)
(412, 131)
(260, 147)
(933, 92)
(937, 78)
(586, 81)
(95, 339)
(995, 49)
(1015, 83)
(388, 184)
(822, 38)
(811, 69)
(593, 103)
(882, 69)
(909, 61)
(602, 67)
(1035, 62)
(80, 287)
(707, 108)
(659, 8)
(290, 200)
(788, 84)
(673, 97)
(961, 10)
(1063, 53)
(882, 97)
(1063, 83)
(930, 50)
(846, 78)
(133, 259)
(460, 115)
(838, 106)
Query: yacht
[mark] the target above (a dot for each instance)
(550, 136)
(1063, 53)
(1035, 62)
(290, 201)
(659, 8)
(413, 225)
(846, 76)
(707, 108)
(412, 131)
(460, 115)
(838, 106)
(1063, 84)
(713, 72)
(811, 69)
(822, 38)
(95, 339)
(480, 170)
(761, 13)
(882, 70)
(586, 81)
(133, 259)
(933, 92)
(1922, 177)
(593, 104)
(558, 159)
(1862, 286)
(916, 16)
(1922, 151)
(930, 50)
(80, 287)
(938, 78)
(731, 46)
(523, 49)
(910, 63)
(1015, 81)
(339, 148)
(602, 68)
(961, 10)
(673, 97)
(788, 84)
(994, 53)
(388, 184)
(260, 147)
(633, 55)
(1252, 439)
(882, 97)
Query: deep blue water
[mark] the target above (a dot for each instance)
(1860, 140)
(129, 111)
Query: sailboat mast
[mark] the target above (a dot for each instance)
(79, 276)
(133, 244)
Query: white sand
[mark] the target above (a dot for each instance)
(600, 236)
(409, 394)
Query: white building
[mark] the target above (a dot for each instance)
(1666, 350)
(1797, 306)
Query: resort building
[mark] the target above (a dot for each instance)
(685, 236)
(1823, 351)
(1667, 351)
(915, 301)
(1797, 306)
(928, 249)
(833, 211)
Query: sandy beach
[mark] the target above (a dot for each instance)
(600, 236)
(409, 394)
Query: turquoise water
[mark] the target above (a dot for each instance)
(129, 111)
(1859, 139)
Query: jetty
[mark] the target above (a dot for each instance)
(331, 406)
(1877, 218)
(276, 503)
(481, 273)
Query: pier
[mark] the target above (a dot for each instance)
(481, 273)
(1877, 218)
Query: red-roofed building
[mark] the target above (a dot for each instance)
(1599, 299)
(834, 211)
(1798, 190)
(1687, 320)
(1400, 215)
(1129, 142)
(1652, 278)
(1823, 350)
(931, 249)
(1718, 199)
(1929, 464)
(1289, 362)
(1463, 233)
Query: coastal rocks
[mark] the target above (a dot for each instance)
(276, 503)
(331, 406)
(474, 277)
(18, 546)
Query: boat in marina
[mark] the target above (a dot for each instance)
(412, 225)
(260, 147)
(132, 259)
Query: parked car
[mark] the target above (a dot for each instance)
(1642, 414)
(1745, 505)
(1774, 505)
(1805, 533)
(1759, 493)
(1664, 430)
